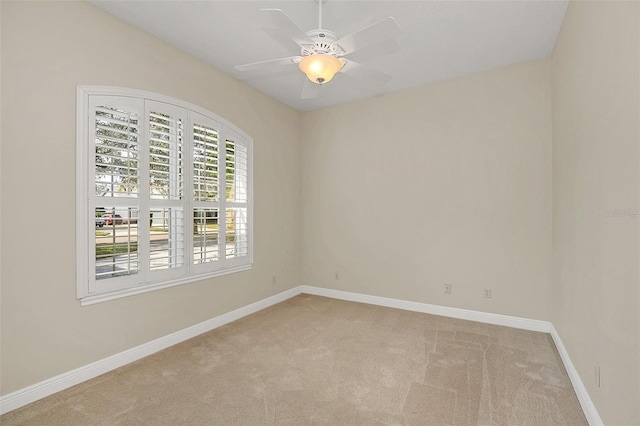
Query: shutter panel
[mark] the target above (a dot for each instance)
(114, 131)
(116, 152)
(236, 168)
(205, 163)
(236, 238)
(236, 189)
(165, 156)
(205, 235)
(166, 239)
(116, 242)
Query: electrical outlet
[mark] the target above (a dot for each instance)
(337, 276)
(487, 293)
(596, 371)
(447, 288)
(273, 280)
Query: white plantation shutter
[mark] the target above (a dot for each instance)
(164, 194)
(236, 190)
(114, 130)
(166, 236)
(207, 180)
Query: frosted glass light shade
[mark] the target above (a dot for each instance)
(320, 68)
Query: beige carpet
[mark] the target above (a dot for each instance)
(319, 361)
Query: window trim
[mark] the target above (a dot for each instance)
(83, 195)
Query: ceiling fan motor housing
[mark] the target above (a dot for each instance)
(324, 44)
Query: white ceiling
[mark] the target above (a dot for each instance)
(441, 39)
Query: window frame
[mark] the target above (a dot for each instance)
(88, 288)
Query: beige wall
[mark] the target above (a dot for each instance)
(596, 184)
(444, 183)
(48, 48)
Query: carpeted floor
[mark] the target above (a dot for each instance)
(317, 361)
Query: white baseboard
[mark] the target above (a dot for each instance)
(589, 409)
(488, 318)
(63, 381)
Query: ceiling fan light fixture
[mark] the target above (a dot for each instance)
(320, 68)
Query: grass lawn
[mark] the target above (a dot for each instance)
(103, 250)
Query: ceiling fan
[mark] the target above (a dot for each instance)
(323, 54)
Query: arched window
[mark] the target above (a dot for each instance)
(164, 194)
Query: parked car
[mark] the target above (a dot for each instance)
(99, 222)
(110, 219)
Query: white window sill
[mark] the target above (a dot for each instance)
(92, 299)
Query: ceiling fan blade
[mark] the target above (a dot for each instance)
(265, 65)
(374, 51)
(277, 19)
(309, 89)
(282, 39)
(365, 75)
(375, 33)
